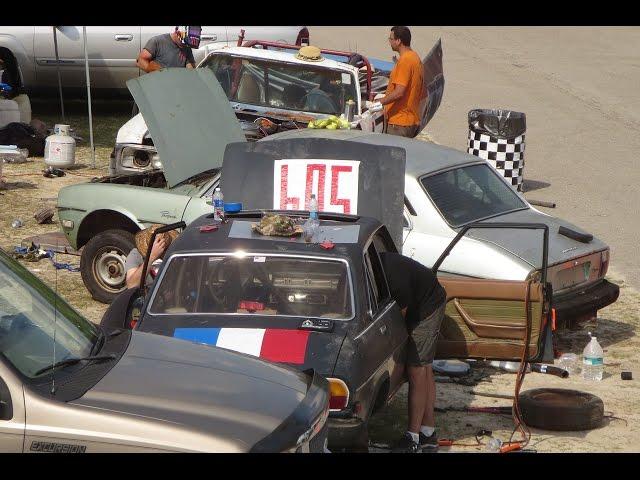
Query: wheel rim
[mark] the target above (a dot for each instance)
(108, 269)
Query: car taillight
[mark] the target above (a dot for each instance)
(339, 394)
(604, 262)
(303, 37)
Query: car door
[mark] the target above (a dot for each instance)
(492, 319)
(433, 84)
(397, 333)
(375, 342)
(12, 414)
(111, 50)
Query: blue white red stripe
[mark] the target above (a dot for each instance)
(276, 345)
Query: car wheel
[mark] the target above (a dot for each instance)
(561, 409)
(102, 264)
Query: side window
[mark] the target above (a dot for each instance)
(372, 293)
(383, 242)
(379, 278)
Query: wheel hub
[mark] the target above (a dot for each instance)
(109, 269)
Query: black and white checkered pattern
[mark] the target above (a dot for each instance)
(506, 156)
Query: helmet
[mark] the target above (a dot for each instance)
(189, 35)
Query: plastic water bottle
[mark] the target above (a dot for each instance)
(313, 207)
(218, 205)
(494, 445)
(592, 361)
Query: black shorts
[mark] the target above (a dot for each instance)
(421, 348)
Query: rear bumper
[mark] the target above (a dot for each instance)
(582, 301)
(345, 432)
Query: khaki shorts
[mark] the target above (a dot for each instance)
(421, 348)
(409, 131)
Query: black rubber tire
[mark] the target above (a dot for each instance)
(561, 409)
(117, 241)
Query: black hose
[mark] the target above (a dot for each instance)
(549, 369)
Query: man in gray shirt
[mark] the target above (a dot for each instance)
(171, 50)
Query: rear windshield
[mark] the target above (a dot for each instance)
(254, 285)
(287, 86)
(469, 194)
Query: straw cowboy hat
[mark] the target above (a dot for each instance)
(143, 237)
(309, 54)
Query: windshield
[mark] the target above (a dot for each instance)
(27, 311)
(469, 194)
(287, 86)
(254, 285)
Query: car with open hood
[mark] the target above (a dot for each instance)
(66, 386)
(273, 87)
(444, 190)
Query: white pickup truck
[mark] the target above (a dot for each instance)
(29, 55)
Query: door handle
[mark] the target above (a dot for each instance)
(383, 329)
(209, 37)
(123, 37)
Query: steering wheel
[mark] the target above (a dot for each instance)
(223, 294)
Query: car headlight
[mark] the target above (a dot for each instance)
(302, 444)
(139, 157)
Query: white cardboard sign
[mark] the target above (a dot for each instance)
(335, 183)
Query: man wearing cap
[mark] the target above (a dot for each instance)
(171, 50)
(135, 260)
(405, 90)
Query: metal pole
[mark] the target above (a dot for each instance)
(55, 45)
(86, 69)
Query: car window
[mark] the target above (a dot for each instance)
(382, 241)
(276, 84)
(372, 290)
(468, 194)
(31, 316)
(379, 279)
(254, 285)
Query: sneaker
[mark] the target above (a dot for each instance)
(430, 442)
(406, 445)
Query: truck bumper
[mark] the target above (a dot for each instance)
(589, 299)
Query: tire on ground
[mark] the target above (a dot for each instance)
(561, 409)
(114, 243)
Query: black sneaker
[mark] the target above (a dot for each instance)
(430, 442)
(406, 445)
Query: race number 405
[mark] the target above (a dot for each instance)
(334, 182)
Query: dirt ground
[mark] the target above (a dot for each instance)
(25, 191)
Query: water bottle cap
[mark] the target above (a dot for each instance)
(217, 189)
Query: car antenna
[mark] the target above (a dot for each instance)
(55, 325)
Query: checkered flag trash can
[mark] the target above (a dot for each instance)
(497, 136)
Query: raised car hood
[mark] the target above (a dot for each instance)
(211, 390)
(527, 244)
(189, 119)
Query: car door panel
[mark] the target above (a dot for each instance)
(12, 413)
(499, 319)
(487, 319)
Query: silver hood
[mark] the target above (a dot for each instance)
(527, 244)
(210, 390)
(189, 118)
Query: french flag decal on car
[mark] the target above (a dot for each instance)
(276, 345)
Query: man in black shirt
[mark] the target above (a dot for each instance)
(422, 300)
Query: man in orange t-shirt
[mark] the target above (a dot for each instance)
(402, 98)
